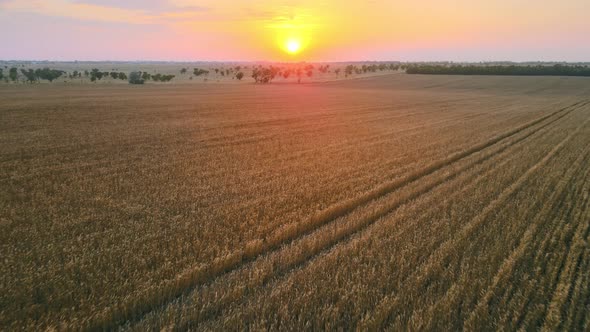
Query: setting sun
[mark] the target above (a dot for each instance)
(293, 46)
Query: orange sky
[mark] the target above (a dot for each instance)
(328, 30)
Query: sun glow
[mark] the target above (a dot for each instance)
(293, 46)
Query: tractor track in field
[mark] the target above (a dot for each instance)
(140, 306)
(446, 248)
(372, 218)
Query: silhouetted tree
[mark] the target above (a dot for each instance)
(299, 73)
(240, 75)
(256, 74)
(265, 75)
(348, 70)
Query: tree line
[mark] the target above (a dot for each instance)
(32, 75)
(514, 70)
(236, 71)
(260, 73)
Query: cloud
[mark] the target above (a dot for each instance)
(80, 11)
(143, 5)
(152, 6)
(129, 11)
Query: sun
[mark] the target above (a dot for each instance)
(293, 46)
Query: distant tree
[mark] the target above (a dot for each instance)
(146, 76)
(256, 74)
(136, 78)
(393, 67)
(286, 74)
(114, 75)
(49, 74)
(240, 75)
(1, 73)
(337, 71)
(216, 71)
(95, 74)
(122, 76)
(13, 74)
(198, 72)
(162, 78)
(86, 73)
(183, 71)
(309, 73)
(30, 75)
(515, 70)
(348, 70)
(167, 78)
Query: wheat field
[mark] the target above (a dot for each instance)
(394, 202)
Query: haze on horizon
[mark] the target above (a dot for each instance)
(328, 30)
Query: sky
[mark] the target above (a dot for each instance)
(323, 30)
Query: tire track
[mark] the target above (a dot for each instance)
(421, 275)
(531, 311)
(278, 274)
(518, 314)
(143, 303)
(454, 297)
(510, 262)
